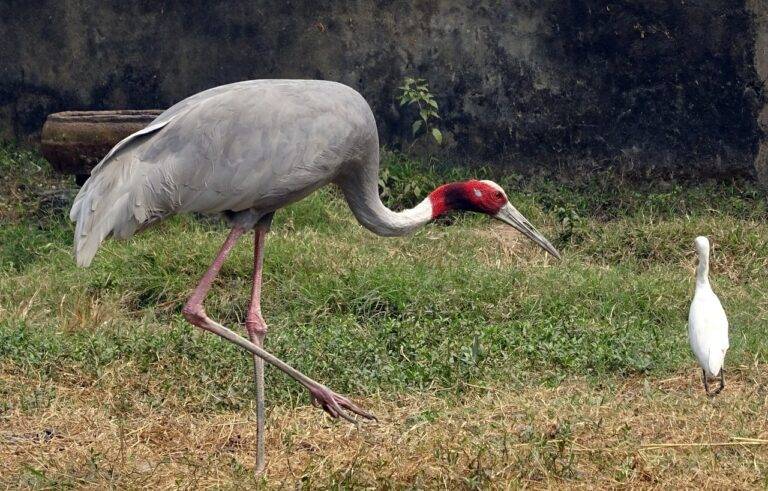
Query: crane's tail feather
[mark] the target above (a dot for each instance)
(93, 228)
(113, 200)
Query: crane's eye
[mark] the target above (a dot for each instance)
(498, 195)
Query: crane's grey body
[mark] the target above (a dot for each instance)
(246, 149)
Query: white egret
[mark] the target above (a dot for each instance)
(707, 323)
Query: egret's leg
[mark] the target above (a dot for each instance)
(193, 311)
(704, 378)
(722, 382)
(257, 331)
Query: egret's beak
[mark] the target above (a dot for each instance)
(509, 215)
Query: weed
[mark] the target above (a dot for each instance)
(415, 91)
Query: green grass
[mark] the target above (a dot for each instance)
(445, 307)
(460, 304)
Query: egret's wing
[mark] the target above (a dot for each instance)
(708, 331)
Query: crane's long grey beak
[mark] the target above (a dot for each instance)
(509, 215)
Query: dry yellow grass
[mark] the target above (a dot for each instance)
(643, 432)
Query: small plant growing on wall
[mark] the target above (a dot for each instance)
(416, 91)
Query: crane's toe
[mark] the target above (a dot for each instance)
(337, 405)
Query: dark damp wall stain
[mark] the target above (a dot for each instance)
(660, 74)
(131, 87)
(29, 105)
(668, 83)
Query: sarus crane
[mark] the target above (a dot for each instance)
(243, 151)
(707, 323)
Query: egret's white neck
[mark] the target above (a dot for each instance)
(702, 269)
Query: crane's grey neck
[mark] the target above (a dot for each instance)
(362, 194)
(702, 270)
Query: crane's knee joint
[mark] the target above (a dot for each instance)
(256, 325)
(195, 314)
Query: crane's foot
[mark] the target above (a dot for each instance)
(336, 405)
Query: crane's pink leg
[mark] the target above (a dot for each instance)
(194, 305)
(257, 331)
(332, 403)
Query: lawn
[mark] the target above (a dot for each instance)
(488, 363)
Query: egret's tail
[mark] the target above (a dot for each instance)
(715, 362)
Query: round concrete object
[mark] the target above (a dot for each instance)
(75, 141)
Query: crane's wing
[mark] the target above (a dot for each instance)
(251, 145)
(102, 206)
(162, 120)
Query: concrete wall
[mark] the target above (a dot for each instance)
(670, 83)
(759, 9)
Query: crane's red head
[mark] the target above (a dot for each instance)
(480, 196)
(485, 197)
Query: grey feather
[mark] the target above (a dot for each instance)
(245, 150)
